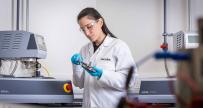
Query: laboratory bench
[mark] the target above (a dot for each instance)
(77, 103)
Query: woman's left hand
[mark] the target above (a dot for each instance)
(96, 72)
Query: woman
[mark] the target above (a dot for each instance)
(110, 57)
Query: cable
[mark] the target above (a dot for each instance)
(46, 70)
(166, 68)
(1, 66)
(14, 69)
(146, 58)
(0, 63)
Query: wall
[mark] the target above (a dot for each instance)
(5, 14)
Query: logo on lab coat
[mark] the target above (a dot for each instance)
(106, 59)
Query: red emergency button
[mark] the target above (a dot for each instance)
(67, 87)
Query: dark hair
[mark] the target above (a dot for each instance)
(94, 14)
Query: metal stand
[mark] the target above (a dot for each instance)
(38, 66)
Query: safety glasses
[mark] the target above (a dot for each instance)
(88, 27)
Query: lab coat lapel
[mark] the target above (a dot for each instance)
(91, 50)
(94, 56)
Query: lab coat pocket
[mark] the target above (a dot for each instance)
(106, 65)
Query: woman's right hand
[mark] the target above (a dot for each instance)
(76, 59)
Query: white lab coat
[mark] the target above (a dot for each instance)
(114, 58)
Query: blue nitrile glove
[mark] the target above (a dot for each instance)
(76, 59)
(97, 73)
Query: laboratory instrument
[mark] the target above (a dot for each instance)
(32, 90)
(185, 40)
(27, 47)
(21, 45)
(155, 91)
